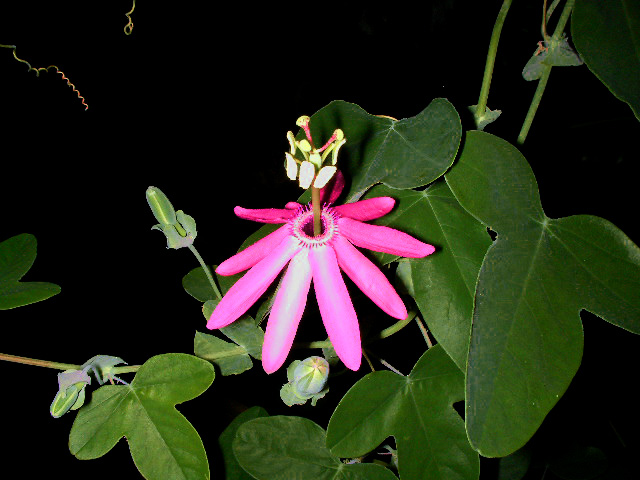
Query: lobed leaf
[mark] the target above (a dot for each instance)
(403, 153)
(418, 411)
(286, 448)
(162, 442)
(527, 339)
(17, 255)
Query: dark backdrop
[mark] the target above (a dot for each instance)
(197, 102)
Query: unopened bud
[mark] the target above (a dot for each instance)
(178, 227)
(71, 395)
(310, 376)
(161, 206)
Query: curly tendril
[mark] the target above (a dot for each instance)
(46, 69)
(128, 28)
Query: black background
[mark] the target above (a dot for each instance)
(197, 102)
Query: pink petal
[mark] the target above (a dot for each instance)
(265, 215)
(251, 255)
(336, 309)
(292, 205)
(364, 210)
(383, 239)
(330, 192)
(253, 284)
(368, 278)
(286, 312)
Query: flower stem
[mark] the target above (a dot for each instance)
(491, 59)
(315, 204)
(207, 272)
(425, 334)
(542, 83)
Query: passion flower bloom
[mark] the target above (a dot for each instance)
(318, 258)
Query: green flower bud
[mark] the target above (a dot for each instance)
(161, 206)
(178, 227)
(71, 394)
(310, 376)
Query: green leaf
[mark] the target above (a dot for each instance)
(285, 448)
(403, 153)
(17, 255)
(197, 284)
(162, 442)
(232, 359)
(527, 339)
(232, 469)
(444, 282)
(607, 35)
(417, 410)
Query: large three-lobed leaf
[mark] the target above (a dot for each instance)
(527, 337)
(162, 442)
(396, 153)
(418, 411)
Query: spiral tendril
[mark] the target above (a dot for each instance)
(128, 28)
(46, 69)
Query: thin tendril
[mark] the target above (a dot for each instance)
(128, 28)
(46, 69)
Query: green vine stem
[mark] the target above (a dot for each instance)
(60, 366)
(207, 272)
(491, 59)
(542, 83)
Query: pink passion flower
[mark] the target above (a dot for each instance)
(320, 259)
